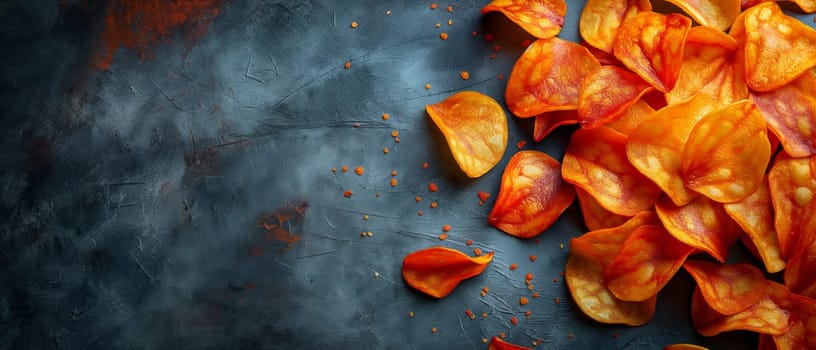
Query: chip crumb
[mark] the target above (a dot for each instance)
(443, 236)
(395, 133)
(450, 8)
(388, 12)
(438, 25)
(434, 330)
(464, 75)
(425, 165)
(376, 274)
(418, 199)
(354, 24)
(393, 182)
(419, 212)
(570, 336)
(477, 252)
(469, 242)
(535, 295)
(443, 36)
(446, 228)
(484, 340)
(393, 173)
(344, 169)
(365, 217)
(348, 193)
(385, 150)
(347, 65)
(410, 314)
(523, 300)
(484, 314)
(561, 246)
(433, 6)
(514, 320)
(427, 86)
(432, 187)
(521, 144)
(334, 169)
(513, 267)
(488, 37)
(359, 170)
(434, 204)
(450, 22)
(369, 233)
(533, 258)
(528, 314)
(386, 116)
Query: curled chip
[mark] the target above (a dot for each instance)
(498, 344)
(727, 289)
(607, 93)
(547, 77)
(648, 259)
(632, 117)
(655, 147)
(589, 255)
(778, 48)
(716, 14)
(436, 271)
(594, 215)
(532, 195)
(475, 127)
(651, 45)
(727, 153)
(710, 66)
(790, 112)
(755, 215)
(600, 20)
(702, 224)
(541, 18)
(595, 161)
(793, 188)
(802, 332)
(771, 314)
(547, 122)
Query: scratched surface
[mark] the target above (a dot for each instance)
(182, 196)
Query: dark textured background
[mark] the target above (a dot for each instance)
(129, 197)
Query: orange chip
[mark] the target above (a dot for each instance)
(727, 289)
(790, 112)
(702, 224)
(651, 45)
(778, 48)
(710, 66)
(655, 147)
(727, 153)
(595, 216)
(498, 344)
(436, 271)
(799, 276)
(532, 195)
(802, 332)
(807, 6)
(589, 255)
(755, 215)
(605, 58)
(607, 93)
(600, 20)
(547, 122)
(647, 261)
(632, 117)
(716, 14)
(547, 77)
(793, 185)
(475, 127)
(541, 18)
(771, 314)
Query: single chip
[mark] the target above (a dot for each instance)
(596, 162)
(702, 224)
(710, 66)
(600, 20)
(547, 77)
(727, 153)
(498, 344)
(607, 93)
(715, 14)
(475, 127)
(790, 112)
(436, 271)
(793, 194)
(802, 332)
(771, 314)
(755, 215)
(632, 117)
(532, 195)
(547, 122)
(646, 262)
(655, 147)
(651, 45)
(727, 289)
(589, 255)
(541, 18)
(778, 48)
(594, 215)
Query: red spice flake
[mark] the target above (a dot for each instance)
(397, 139)
(348, 193)
(362, 234)
(484, 314)
(450, 8)
(344, 169)
(418, 199)
(425, 165)
(393, 173)
(385, 116)
(493, 56)
(469, 242)
(474, 33)
(529, 286)
(347, 65)
(502, 335)
(393, 182)
(377, 194)
(359, 170)
(496, 48)
(385, 150)
(443, 236)
(535, 295)
(433, 6)
(533, 258)
(514, 320)
(555, 280)
(523, 301)
(528, 314)
(557, 300)
(354, 24)
(501, 76)
(488, 37)
(419, 212)
(513, 267)
(356, 125)
(464, 75)
(470, 314)
(570, 336)
(432, 187)
(446, 228)
(427, 86)
(477, 252)
(443, 35)
(526, 42)
(521, 144)
(528, 277)
(434, 204)
(394, 133)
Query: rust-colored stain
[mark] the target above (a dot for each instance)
(140, 24)
(280, 224)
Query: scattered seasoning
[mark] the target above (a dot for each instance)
(437, 25)
(434, 204)
(397, 140)
(443, 36)
(394, 133)
(483, 196)
(348, 193)
(365, 217)
(345, 168)
(528, 277)
(418, 199)
(561, 246)
(427, 86)
(470, 314)
(477, 252)
(450, 8)
(570, 336)
(484, 314)
(488, 37)
(502, 335)
(526, 42)
(347, 65)
(469, 242)
(533, 258)
(514, 320)
(432, 187)
(555, 280)
(393, 173)
(433, 6)
(410, 314)
(359, 170)
(354, 24)
(356, 125)
(484, 340)
(385, 116)
(434, 330)
(419, 212)
(474, 33)
(529, 286)
(376, 274)
(385, 150)
(393, 182)
(557, 300)
(513, 267)
(493, 56)
(521, 144)
(425, 165)
(446, 228)
(561, 273)
(523, 301)
(334, 169)
(464, 75)
(496, 48)
(369, 233)
(485, 289)
(362, 234)
(501, 76)
(535, 295)
(443, 236)
(377, 194)
(388, 12)
(450, 22)
(528, 314)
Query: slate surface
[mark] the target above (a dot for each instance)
(131, 197)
